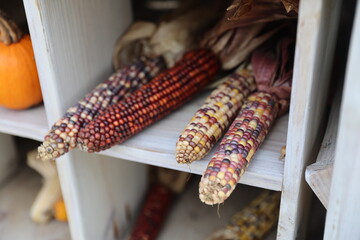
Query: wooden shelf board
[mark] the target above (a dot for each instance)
(16, 197)
(156, 146)
(30, 123)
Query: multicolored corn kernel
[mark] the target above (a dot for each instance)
(166, 92)
(211, 121)
(62, 136)
(253, 222)
(238, 147)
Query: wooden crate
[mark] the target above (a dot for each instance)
(73, 43)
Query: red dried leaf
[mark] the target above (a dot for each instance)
(246, 20)
(273, 66)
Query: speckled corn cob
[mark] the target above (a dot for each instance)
(214, 117)
(163, 94)
(238, 147)
(254, 222)
(62, 136)
(153, 213)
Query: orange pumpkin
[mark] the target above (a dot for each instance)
(19, 81)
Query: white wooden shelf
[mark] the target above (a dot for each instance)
(30, 123)
(73, 46)
(16, 197)
(156, 146)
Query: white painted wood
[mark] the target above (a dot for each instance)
(316, 35)
(30, 123)
(318, 175)
(101, 194)
(16, 198)
(8, 157)
(156, 146)
(342, 221)
(73, 43)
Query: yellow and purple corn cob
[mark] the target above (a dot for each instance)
(237, 148)
(62, 136)
(212, 120)
(166, 92)
(253, 222)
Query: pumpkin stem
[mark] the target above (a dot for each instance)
(9, 31)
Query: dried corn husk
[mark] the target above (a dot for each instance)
(171, 38)
(291, 5)
(273, 70)
(130, 45)
(245, 26)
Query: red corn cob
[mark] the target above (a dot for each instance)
(62, 136)
(153, 101)
(238, 146)
(152, 216)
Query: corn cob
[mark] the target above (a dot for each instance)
(154, 211)
(214, 117)
(62, 136)
(253, 222)
(163, 94)
(238, 146)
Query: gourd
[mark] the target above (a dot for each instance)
(19, 81)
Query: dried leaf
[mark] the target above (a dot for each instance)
(223, 41)
(239, 9)
(247, 21)
(129, 46)
(273, 66)
(173, 38)
(251, 40)
(254, 11)
(291, 5)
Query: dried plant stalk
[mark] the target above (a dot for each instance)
(245, 26)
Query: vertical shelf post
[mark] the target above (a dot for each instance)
(315, 42)
(342, 220)
(73, 43)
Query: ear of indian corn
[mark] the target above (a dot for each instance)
(62, 136)
(211, 121)
(166, 92)
(153, 213)
(237, 148)
(253, 222)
